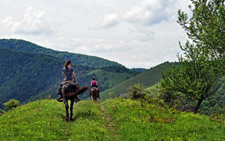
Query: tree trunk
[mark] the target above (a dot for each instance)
(198, 105)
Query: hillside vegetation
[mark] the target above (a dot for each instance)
(80, 59)
(24, 74)
(29, 72)
(117, 119)
(147, 78)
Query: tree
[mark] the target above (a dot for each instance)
(137, 92)
(203, 61)
(11, 104)
(206, 27)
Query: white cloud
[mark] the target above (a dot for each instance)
(135, 33)
(33, 23)
(109, 21)
(151, 12)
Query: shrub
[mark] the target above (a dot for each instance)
(11, 104)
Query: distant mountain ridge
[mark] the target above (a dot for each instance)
(147, 78)
(29, 75)
(25, 46)
(22, 75)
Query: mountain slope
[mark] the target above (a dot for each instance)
(117, 119)
(30, 76)
(24, 74)
(25, 46)
(147, 78)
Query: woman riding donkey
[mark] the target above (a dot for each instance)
(68, 75)
(94, 92)
(68, 89)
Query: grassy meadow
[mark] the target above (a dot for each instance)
(117, 119)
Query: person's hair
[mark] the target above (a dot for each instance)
(93, 78)
(67, 64)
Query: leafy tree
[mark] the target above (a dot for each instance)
(203, 61)
(196, 78)
(206, 27)
(11, 104)
(136, 91)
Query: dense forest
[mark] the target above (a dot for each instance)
(27, 76)
(25, 46)
(24, 74)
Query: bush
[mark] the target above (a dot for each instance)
(11, 104)
(1, 112)
(136, 92)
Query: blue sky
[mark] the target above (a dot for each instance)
(135, 33)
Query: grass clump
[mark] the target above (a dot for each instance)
(153, 122)
(89, 123)
(39, 120)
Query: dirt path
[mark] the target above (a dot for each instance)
(110, 124)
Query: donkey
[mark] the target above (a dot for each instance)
(70, 92)
(94, 94)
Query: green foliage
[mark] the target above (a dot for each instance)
(119, 69)
(136, 92)
(138, 69)
(117, 119)
(89, 123)
(153, 91)
(78, 59)
(11, 104)
(216, 103)
(39, 120)
(23, 75)
(206, 27)
(44, 120)
(30, 76)
(108, 79)
(154, 122)
(1, 112)
(111, 94)
(195, 78)
(147, 78)
(203, 61)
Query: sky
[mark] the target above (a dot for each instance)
(134, 33)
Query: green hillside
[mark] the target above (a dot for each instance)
(106, 80)
(118, 119)
(25, 46)
(30, 76)
(147, 78)
(22, 75)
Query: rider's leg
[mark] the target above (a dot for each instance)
(59, 91)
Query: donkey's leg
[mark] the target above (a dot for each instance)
(95, 95)
(65, 100)
(71, 108)
(67, 109)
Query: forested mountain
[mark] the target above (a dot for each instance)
(146, 78)
(212, 105)
(22, 75)
(29, 76)
(25, 46)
